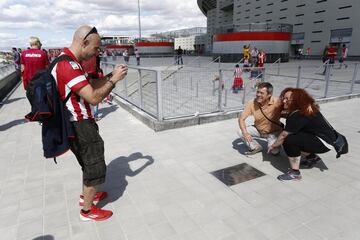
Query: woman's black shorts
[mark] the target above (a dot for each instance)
(299, 142)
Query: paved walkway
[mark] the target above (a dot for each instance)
(160, 186)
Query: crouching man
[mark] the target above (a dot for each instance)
(266, 110)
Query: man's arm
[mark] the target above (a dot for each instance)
(95, 95)
(242, 124)
(99, 82)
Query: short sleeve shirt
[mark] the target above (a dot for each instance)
(272, 110)
(316, 125)
(70, 77)
(33, 60)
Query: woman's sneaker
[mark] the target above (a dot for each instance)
(290, 175)
(98, 197)
(96, 214)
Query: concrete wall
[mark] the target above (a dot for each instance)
(8, 83)
(315, 18)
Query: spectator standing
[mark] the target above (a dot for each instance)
(331, 53)
(87, 146)
(91, 69)
(179, 59)
(246, 64)
(238, 81)
(307, 53)
(32, 60)
(246, 50)
(260, 64)
(126, 56)
(137, 55)
(17, 56)
(254, 54)
(344, 53)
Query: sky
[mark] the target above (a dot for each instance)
(54, 21)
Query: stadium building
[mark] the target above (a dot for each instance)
(281, 27)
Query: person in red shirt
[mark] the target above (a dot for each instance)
(331, 53)
(32, 60)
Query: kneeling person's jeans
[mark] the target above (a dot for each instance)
(270, 138)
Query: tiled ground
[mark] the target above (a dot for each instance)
(160, 186)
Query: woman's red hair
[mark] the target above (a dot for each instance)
(302, 101)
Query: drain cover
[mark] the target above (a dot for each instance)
(237, 174)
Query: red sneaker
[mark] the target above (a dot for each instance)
(98, 197)
(96, 214)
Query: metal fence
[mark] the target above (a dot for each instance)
(6, 70)
(194, 89)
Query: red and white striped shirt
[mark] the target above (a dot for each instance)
(70, 76)
(344, 52)
(237, 73)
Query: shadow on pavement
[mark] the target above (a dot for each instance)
(107, 110)
(11, 124)
(280, 162)
(8, 101)
(117, 171)
(239, 146)
(45, 237)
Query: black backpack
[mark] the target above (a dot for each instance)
(40, 92)
(48, 109)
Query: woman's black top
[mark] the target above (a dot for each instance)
(316, 125)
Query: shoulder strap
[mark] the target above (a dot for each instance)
(277, 124)
(59, 59)
(52, 65)
(326, 121)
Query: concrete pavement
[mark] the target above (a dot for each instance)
(160, 186)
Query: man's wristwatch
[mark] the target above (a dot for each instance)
(112, 83)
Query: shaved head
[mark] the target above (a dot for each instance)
(86, 43)
(81, 32)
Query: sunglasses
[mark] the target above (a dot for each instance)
(286, 99)
(93, 30)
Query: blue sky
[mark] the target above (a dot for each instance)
(54, 21)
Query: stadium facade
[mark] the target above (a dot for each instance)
(315, 24)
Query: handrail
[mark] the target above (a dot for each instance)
(198, 57)
(213, 61)
(5, 66)
(135, 82)
(172, 73)
(277, 61)
(180, 68)
(242, 59)
(5, 69)
(324, 64)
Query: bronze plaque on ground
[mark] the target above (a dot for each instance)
(237, 174)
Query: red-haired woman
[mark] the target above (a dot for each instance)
(306, 131)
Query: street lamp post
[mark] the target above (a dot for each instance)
(139, 21)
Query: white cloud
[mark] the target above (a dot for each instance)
(49, 18)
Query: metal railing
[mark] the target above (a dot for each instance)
(166, 94)
(6, 70)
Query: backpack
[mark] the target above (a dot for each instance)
(40, 93)
(48, 109)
